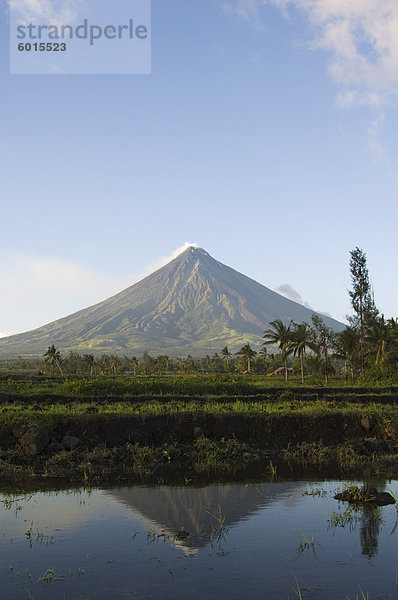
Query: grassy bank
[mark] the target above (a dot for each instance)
(158, 432)
(188, 385)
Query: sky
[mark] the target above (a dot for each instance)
(266, 133)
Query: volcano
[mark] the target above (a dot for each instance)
(193, 305)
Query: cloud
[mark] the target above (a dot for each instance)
(41, 289)
(4, 334)
(361, 37)
(163, 260)
(285, 289)
(48, 11)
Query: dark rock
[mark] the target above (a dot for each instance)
(368, 423)
(19, 429)
(384, 498)
(70, 442)
(34, 440)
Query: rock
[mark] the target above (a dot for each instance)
(34, 440)
(384, 498)
(70, 442)
(355, 495)
(368, 423)
(54, 447)
(19, 429)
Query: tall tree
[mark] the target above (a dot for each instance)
(134, 364)
(346, 348)
(89, 361)
(300, 342)
(247, 353)
(380, 343)
(280, 336)
(322, 343)
(53, 356)
(225, 353)
(362, 300)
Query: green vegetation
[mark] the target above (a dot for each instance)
(141, 428)
(146, 417)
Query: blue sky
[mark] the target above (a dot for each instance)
(266, 133)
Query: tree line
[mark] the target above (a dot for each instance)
(367, 347)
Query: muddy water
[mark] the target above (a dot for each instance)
(256, 541)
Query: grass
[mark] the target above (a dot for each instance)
(191, 385)
(48, 412)
(237, 429)
(306, 543)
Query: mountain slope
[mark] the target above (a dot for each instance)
(194, 304)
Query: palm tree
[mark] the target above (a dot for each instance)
(324, 339)
(301, 341)
(346, 347)
(225, 353)
(134, 363)
(247, 353)
(90, 362)
(380, 341)
(280, 336)
(263, 353)
(53, 356)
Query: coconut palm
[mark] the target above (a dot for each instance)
(247, 353)
(225, 353)
(300, 342)
(53, 356)
(280, 336)
(134, 364)
(324, 339)
(346, 347)
(89, 360)
(381, 342)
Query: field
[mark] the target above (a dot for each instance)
(167, 428)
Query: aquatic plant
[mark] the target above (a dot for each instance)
(306, 543)
(218, 531)
(272, 469)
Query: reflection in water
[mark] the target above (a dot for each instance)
(370, 529)
(100, 548)
(198, 510)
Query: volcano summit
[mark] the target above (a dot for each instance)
(194, 304)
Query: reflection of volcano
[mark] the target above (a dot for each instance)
(194, 510)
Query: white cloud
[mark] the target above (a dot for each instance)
(4, 334)
(163, 260)
(48, 11)
(361, 37)
(41, 289)
(285, 289)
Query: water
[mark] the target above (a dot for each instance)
(244, 542)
